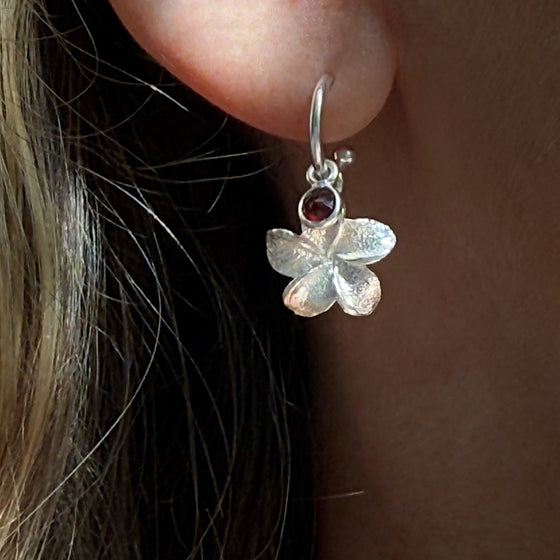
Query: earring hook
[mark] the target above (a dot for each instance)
(317, 156)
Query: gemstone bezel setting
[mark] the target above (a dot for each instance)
(336, 213)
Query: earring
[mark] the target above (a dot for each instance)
(327, 261)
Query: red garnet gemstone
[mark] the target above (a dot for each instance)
(318, 204)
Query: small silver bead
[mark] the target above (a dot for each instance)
(344, 157)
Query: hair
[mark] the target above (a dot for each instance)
(153, 397)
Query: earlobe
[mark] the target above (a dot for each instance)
(260, 60)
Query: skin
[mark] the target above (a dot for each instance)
(437, 416)
(260, 61)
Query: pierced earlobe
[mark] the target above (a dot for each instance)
(259, 61)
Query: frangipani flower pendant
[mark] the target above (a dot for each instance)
(328, 260)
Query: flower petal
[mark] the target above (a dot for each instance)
(288, 254)
(313, 293)
(357, 288)
(363, 241)
(321, 237)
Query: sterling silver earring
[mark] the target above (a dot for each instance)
(327, 261)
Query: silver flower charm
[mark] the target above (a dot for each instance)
(328, 265)
(328, 260)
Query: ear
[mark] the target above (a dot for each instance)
(259, 60)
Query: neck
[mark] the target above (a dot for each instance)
(436, 415)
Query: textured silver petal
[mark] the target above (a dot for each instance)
(357, 288)
(363, 241)
(322, 237)
(313, 293)
(289, 255)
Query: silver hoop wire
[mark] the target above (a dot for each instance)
(317, 155)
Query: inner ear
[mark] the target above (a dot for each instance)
(260, 60)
